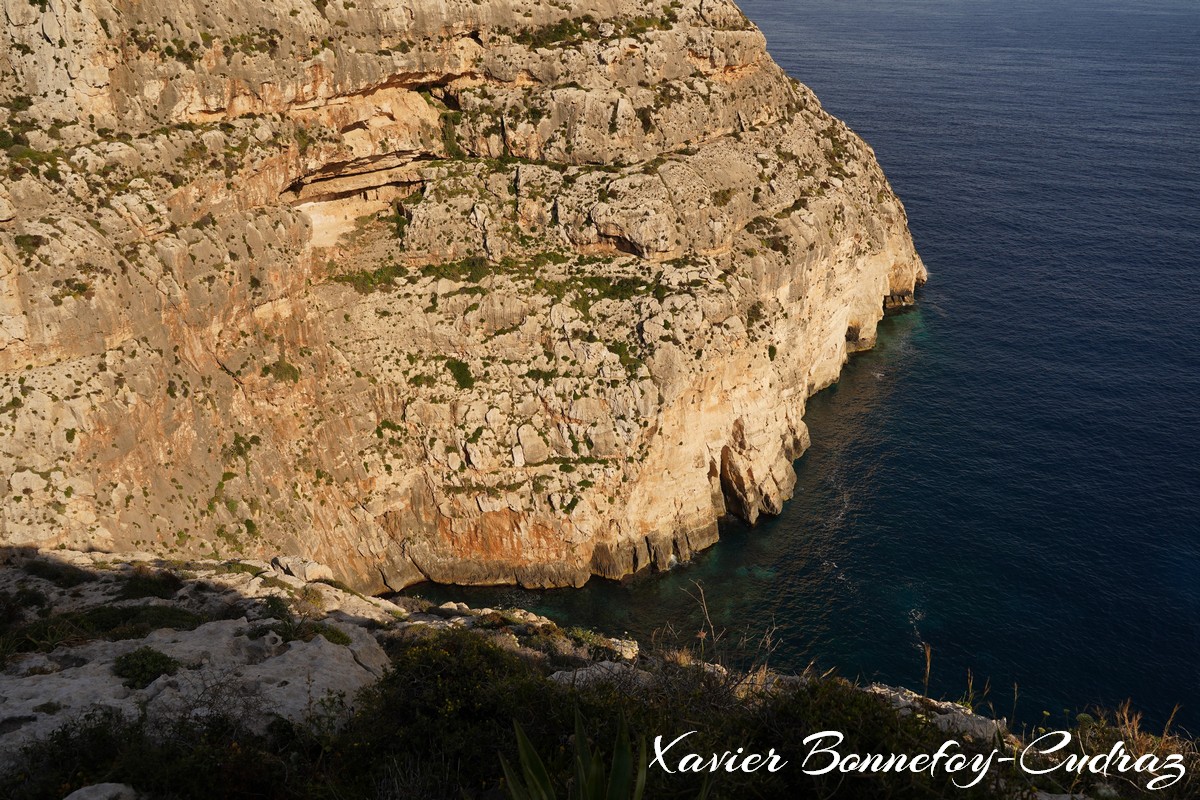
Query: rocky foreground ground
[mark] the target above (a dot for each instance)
(137, 636)
(280, 640)
(128, 676)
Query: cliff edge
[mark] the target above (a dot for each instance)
(476, 292)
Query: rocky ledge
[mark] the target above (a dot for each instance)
(84, 633)
(476, 292)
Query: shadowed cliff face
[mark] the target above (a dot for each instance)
(474, 292)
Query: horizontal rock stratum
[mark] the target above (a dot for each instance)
(479, 292)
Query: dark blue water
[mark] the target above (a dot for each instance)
(1013, 475)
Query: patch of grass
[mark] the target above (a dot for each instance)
(336, 584)
(461, 372)
(29, 243)
(372, 281)
(144, 583)
(234, 567)
(721, 197)
(563, 32)
(331, 634)
(105, 622)
(275, 583)
(282, 370)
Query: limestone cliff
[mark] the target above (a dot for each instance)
(478, 291)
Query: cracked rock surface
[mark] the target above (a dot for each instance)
(132, 634)
(476, 292)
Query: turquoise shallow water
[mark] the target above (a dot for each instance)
(1012, 475)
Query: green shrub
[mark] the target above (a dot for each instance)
(722, 197)
(105, 622)
(457, 695)
(565, 31)
(28, 243)
(64, 576)
(142, 583)
(282, 370)
(542, 375)
(646, 117)
(472, 269)
(276, 607)
(461, 372)
(176, 758)
(631, 362)
(290, 627)
(143, 666)
(71, 287)
(450, 122)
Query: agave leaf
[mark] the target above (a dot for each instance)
(622, 767)
(582, 751)
(639, 788)
(592, 787)
(516, 790)
(536, 777)
(585, 764)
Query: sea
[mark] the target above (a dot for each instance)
(1010, 480)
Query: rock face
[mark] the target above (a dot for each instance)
(478, 292)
